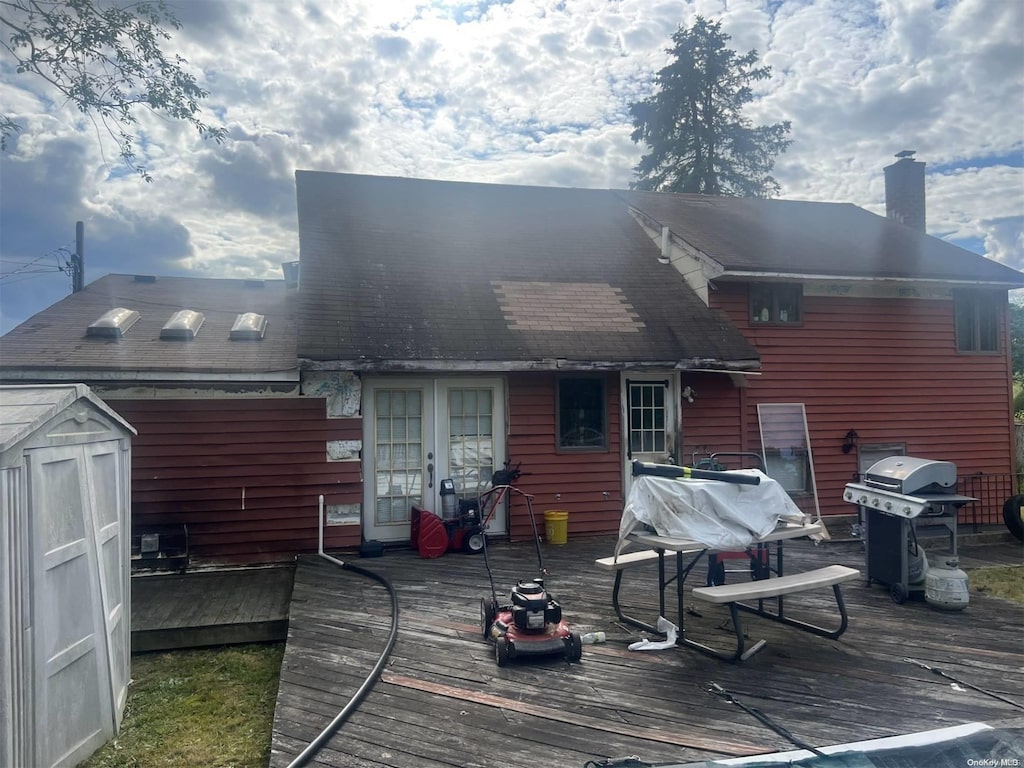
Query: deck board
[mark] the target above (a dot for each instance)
(443, 701)
(210, 608)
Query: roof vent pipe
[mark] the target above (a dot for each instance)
(666, 245)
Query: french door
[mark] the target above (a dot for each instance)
(420, 431)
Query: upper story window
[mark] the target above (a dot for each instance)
(776, 303)
(977, 321)
(582, 413)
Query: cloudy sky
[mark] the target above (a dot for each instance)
(511, 91)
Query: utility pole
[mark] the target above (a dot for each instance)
(78, 260)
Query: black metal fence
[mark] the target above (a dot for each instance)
(991, 492)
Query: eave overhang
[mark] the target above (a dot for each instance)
(736, 275)
(175, 377)
(508, 366)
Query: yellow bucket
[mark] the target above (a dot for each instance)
(556, 526)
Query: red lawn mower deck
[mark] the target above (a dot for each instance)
(531, 625)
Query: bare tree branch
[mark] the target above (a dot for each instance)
(106, 61)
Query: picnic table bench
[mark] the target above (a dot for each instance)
(737, 596)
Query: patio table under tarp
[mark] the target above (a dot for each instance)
(722, 516)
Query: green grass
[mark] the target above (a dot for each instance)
(208, 707)
(1001, 581)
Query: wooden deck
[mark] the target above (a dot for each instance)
(210, 608)
(443, 701)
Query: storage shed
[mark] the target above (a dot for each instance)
(65, 464)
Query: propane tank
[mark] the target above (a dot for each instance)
(449, 501)
(945, 586)
(917, 563)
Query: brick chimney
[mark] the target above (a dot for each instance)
(904, 191)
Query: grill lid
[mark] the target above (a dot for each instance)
(909, 475)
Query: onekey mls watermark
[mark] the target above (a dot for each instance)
(994, 762)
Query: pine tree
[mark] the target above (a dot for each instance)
(693, 125)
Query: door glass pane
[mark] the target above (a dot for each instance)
(647, 417)
(399, 465)
(470, 439)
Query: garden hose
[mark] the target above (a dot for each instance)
(357, 697)
(952, 679)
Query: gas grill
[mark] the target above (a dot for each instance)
(899, 495)
(907, 486)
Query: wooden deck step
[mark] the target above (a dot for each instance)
(242, 605)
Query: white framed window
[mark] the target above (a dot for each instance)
(648, 416)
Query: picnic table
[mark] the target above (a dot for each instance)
(686, 520)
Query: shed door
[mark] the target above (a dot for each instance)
(109, 506)
(78, 599)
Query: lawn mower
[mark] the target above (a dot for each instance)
(531, 623)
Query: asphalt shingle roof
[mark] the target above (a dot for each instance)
(56, 337)
(805, 238)
(407, 269)
(414, 271)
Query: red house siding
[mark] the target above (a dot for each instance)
(712, 422)
(886, 368)
(581, 479)
(243, 474)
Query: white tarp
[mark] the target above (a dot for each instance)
(722, 516)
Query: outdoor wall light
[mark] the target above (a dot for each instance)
(851, 441)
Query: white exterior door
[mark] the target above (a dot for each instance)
(471, 432)
(650, 416)
(419, 431)
(399, 459)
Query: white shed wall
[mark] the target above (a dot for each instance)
(65, 461)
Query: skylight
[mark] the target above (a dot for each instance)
(183, 325)
(249, 326)
(113, 324)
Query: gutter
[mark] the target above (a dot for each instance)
(392, 365)
(762, 275)
(177, 377)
